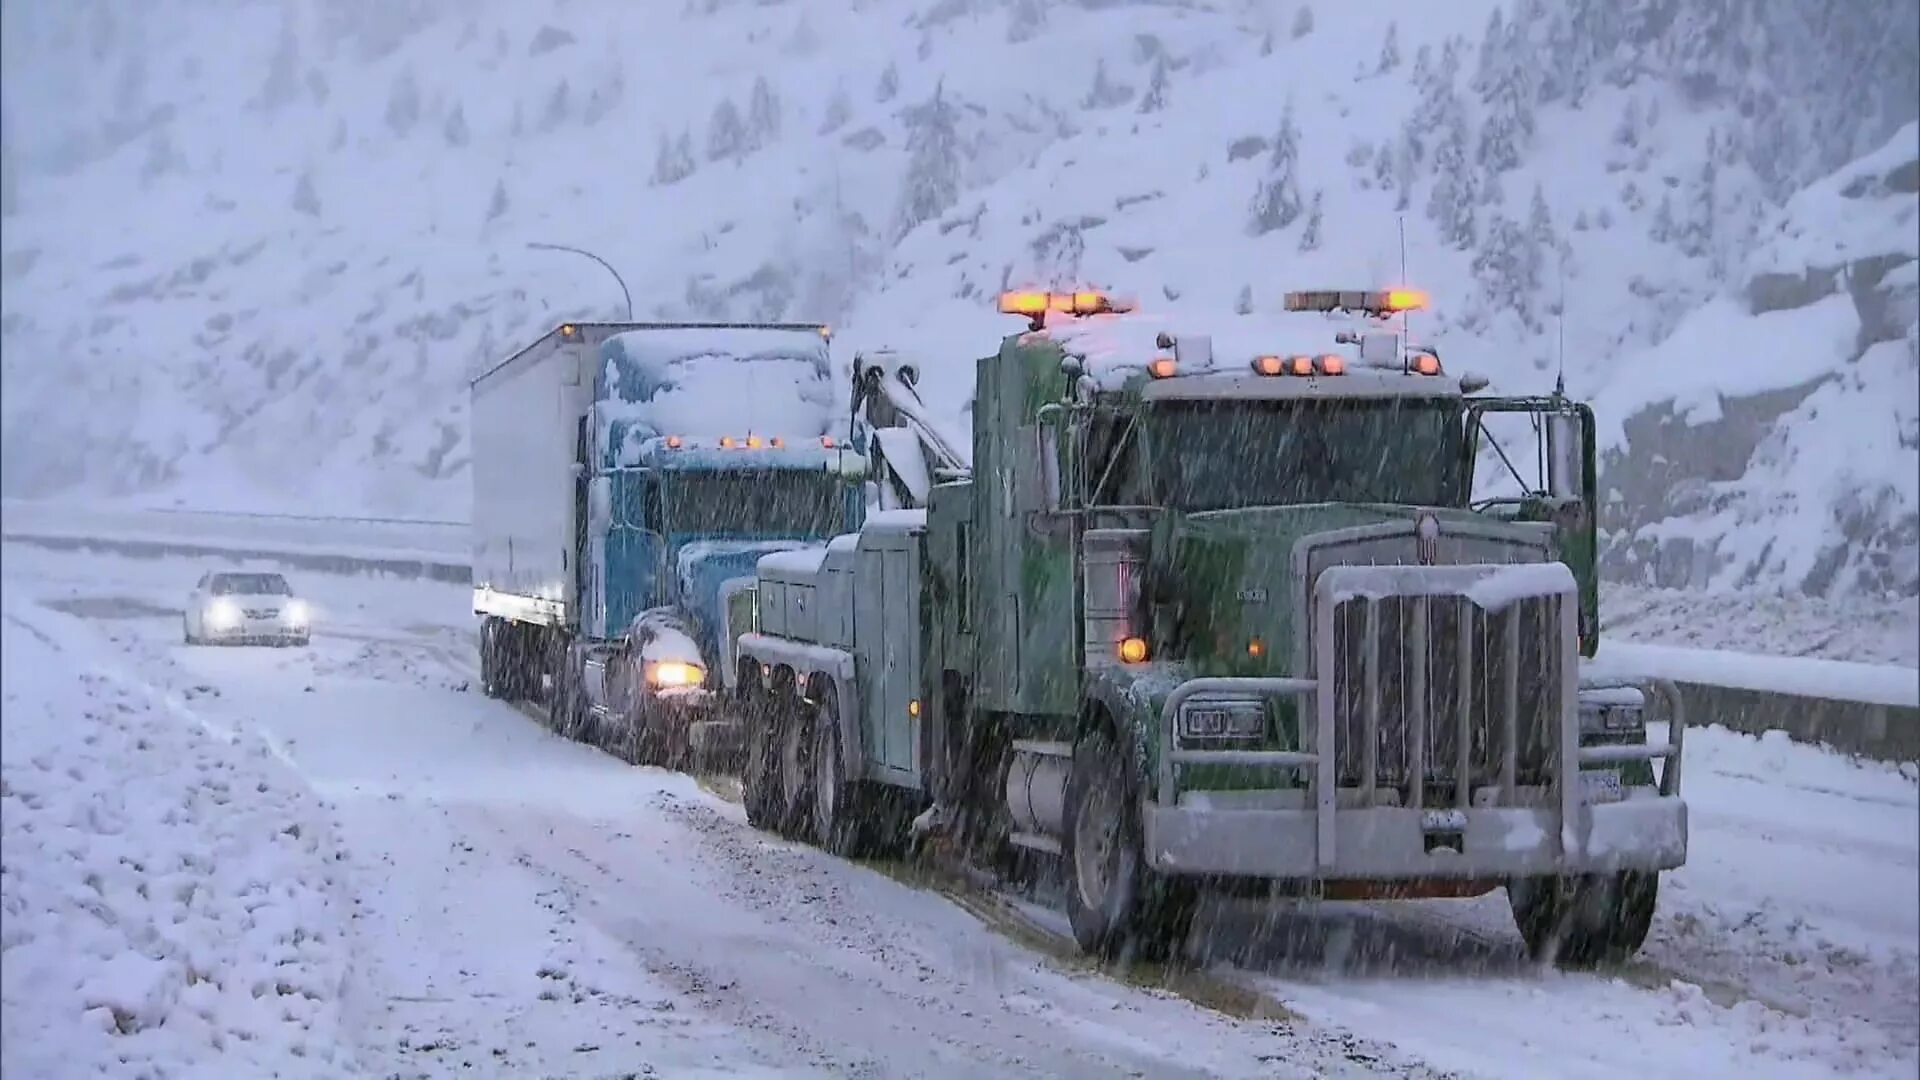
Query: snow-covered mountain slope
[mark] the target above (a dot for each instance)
(255, 248)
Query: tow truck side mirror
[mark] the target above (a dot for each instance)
(1566, 455)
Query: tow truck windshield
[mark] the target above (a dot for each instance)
(1225, 455)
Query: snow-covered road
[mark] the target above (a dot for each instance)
(512, 904)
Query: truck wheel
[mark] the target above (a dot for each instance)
(1584, 921)
(796, 767)
(760, 777)
(842, 820)
(1115, 903)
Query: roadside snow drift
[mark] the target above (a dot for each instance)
(168, 893)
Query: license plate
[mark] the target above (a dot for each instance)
(1601, 787)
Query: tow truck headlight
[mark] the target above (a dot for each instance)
(666, 674)
(1215, 721)
(1611, 711)
(222, 614)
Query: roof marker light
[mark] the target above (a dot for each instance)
(753, 442)
(1332, 364)
(1161, 367)
(1269, 365)
(1300, 365)
(1426, 364)
(776, 442)
(726, 442)
(1377, 302)
(673, 442)
(827, 441)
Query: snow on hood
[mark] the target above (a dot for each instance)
(663, 635)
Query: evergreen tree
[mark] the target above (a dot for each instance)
(1389, 50)
(1506, 83)
(1507, 267)
(1243, 303)
(839, 110)
(1105, 93)
(932, 184)
(558, 107)
(1276, 202)
(455, 128)
(1025, 20)
(1155, 98)
(673, 159)
(497, 206)
(283, 79)
(1627, 131)
(305, 199)
(1302, 23)
(1456, 183)
(1310, 236)
(1663, 224)
(1698, 231)
(1540, 220)
(763, 114)
(726, 134)
(403, 104)
(1492, 44)
(889, 86)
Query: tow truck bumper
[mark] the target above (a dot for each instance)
(1643, 831)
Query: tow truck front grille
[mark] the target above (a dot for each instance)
(1448, 677)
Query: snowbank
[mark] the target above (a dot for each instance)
(171, 904)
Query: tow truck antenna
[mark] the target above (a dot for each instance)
(1560, 330)
(1406, 316)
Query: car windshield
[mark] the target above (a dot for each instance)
(250, 585)
(1223, 455)
(766, 502)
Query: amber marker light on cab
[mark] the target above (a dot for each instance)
(1133, 650)
(1161, 367)
(1333, 365)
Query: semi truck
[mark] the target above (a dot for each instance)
(1212, 615)
(626, 476)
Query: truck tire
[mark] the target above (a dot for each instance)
(843, 821)
(1581, 922)
(1117, 905)
(795, 764)
(760, 775)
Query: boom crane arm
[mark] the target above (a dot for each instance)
(911, 452)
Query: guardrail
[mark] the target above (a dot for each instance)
(1867, 709)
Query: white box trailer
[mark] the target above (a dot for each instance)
(528, 417)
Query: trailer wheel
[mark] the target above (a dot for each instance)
(760, 776)
(1582, 922)
(1115, 903)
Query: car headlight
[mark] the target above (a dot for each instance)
(296, 612)
(671, 673)
(1223, 720)
(1612, 711)
(223, 613)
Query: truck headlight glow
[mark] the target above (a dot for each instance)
(672, 673)
(297, 613)
(1223, 720)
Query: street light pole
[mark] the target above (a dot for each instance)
(537, 246)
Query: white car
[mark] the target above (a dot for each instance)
(240, 608)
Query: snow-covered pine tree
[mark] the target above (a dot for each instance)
(1302, 23)
(1155, 98)
(726, 133)
(1663, 227)
(305, 199)
(1508, 269)
(1243, 303)
(672, 160)
(1698, 231)
(283, 71)
(403, 104)
(763, 114)
(1492, 45)
(1507, 73)
(1025, 19)
(1310, 236)
(1389, 50)
(1627, 131)
(1276, 202)
(839, 110)
(455, 128)
(889, 86)
(1452, 202)
(558, 107)
(932, 183)
(1105, 93)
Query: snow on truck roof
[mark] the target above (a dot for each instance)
(735, 382)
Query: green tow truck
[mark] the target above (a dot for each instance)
(1228, 616)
